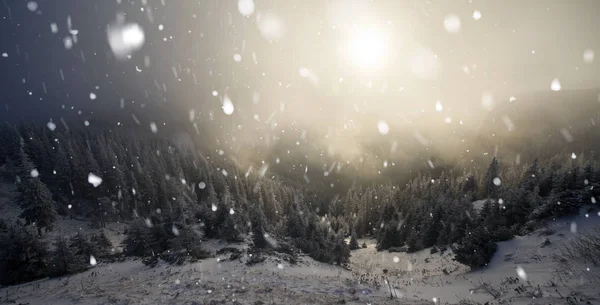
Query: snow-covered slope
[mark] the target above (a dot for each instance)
(437, 276)
(417, 278)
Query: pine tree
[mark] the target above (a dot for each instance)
(35, 198)
(64, 174)
(390, 236)
(63, 260)
(340, 251)
(229, 229)
(433, 230)
(295, 225)
(22, 255)
(258, 221)
(189, 241)
(413, 241)
(444, 236)
(102, 212)
(477, 249)
(353, 242)
(208, 216)
(531, 178)
(470, 185)
(101, 245)
(488, 188)
(81, 246)
(139, 240)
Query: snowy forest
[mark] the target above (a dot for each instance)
(254, 152)
(173, 198)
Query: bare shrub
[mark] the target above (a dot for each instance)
(463, 301)
(584, 249)
(489, 289)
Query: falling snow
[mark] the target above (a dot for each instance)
(438, 106)
(124, 39)
(246, 7)
(94, 180)
(555, 85)
(51, 126)
(487, 101)
(521, 273)
(32, 6)
(228, 107)
(452, 24)
(270, 26)
(153, 127)
(588, 56)
(383, 127)
(306, 95)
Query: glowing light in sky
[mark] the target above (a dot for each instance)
(367, 48)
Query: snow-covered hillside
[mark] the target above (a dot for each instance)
(523, 271)
(437, 276)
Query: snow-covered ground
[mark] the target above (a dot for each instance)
(417, 278)
(421, 274)
(212, 280)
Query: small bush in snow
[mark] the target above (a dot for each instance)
(353, 242)
(476, 249)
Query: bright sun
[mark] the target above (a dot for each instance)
(367, 48)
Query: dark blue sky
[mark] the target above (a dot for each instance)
(40, 75)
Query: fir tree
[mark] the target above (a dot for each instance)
(63, 259)
(531, 178)
(35, 198)
(101, 245)
(340, 251)
(22, 255)
(476, 249)
(488, 188)
(353, 242)
(258, 221)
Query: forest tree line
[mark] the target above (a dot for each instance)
(173, 198)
